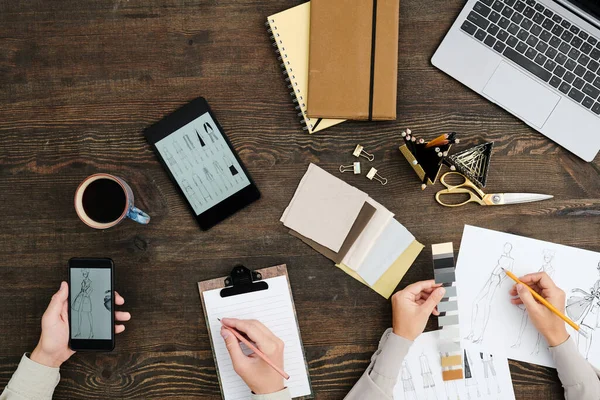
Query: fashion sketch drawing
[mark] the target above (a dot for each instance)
(83, 305)
(489, 372)
(407, 383)
(548, 256)
(480, 314)
(584, 308)
(427, 374)
(182, 155)
(190, 193)
(470, 381)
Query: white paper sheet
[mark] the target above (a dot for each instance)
(392, 242)
(324, 208)
(272, 307)
(365, 241)
(490, 375)
(486, 314)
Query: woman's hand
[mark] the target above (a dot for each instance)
(547, 323)
(260, 377)
(412, 307)
(53, 348)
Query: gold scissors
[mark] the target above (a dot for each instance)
(476, 195)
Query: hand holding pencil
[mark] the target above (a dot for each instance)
(262, 370)
(547, 322)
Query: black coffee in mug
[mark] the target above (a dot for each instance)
(104, 200)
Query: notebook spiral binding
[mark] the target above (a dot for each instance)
(297, 99)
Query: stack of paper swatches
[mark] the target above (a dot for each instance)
(347, 226)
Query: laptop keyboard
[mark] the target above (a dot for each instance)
(542, 42)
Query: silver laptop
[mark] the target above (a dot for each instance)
(538, 59)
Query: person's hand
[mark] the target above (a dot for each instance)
(547, 323)
(53, 348)
(258, 375)
(412, 307)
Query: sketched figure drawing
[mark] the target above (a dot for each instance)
(190, 193)
(480, 315)
(182, 155)
(548, 268)
(470, 381)
(171, 160)
(428, 382)
(190, 145)
(407, 383)
(211, 134)
(202, 144)
(451, 390)
(224, 177)
(83, 304)
(232, 169)
(188, 142)
(584, 308)
(200, 185)
(209, 177)
(489, 371)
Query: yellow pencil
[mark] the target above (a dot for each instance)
(547, 304)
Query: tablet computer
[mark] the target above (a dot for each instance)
(191, 145)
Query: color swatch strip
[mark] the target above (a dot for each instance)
(444, 271)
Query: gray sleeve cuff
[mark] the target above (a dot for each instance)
(281, 395)
(33, 380)
(573, 369)
(389, 362)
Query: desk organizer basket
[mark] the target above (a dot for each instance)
(428, 163)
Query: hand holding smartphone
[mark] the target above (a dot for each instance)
(91, 304)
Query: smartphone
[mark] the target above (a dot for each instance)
(91, 304)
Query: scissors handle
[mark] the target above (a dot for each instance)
(473, 198)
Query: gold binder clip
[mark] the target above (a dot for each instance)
(360, 152)
(355, 167)
(374, 175)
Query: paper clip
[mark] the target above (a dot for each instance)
(374, 175)
(355, 167)
(360, 152)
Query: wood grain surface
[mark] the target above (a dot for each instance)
(80, 80)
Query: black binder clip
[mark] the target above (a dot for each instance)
(242, 280)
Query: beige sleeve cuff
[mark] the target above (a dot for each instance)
(33, 381)
(281, 395)
(577, 376)
(389, 362)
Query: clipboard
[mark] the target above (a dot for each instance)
(252, 286)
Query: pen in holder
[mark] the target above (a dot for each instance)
(426, 158)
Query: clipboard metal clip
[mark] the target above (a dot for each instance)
(243, 280)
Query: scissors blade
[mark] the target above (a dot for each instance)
(515, 198)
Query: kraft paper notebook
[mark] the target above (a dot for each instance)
(264, 295)
(353, 63)
(290, 30)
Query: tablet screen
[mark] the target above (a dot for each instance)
(202, 163)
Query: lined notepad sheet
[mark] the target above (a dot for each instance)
(291, 32)
(274, 308)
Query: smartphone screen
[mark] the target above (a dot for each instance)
(91, 304)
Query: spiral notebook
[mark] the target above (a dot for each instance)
(290, 32)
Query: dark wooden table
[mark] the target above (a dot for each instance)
(79, 80)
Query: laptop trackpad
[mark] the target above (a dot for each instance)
(521, 95)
